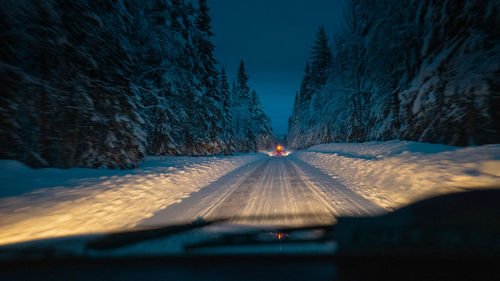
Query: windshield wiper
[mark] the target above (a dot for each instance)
(127, 238)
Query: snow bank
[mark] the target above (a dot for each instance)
(396, 173)
(85, 200)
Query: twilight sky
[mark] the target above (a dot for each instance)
(274, 38)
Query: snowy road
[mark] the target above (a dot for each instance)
(282, 187)
(324, 182)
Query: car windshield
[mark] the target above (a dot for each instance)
(203, 124)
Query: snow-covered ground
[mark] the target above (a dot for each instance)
(55, 202)
(395, 173)
(327, 180)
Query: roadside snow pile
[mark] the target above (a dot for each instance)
(396, 173)
(85, 200)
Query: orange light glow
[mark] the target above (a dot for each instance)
(279, 148)
(279, 235)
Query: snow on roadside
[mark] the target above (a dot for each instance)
(87, 200)
(396, 173)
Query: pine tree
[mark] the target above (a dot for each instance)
(251, 125)
(203, 20)
(205, 45)
(321, 58)
(224, 89)
(227, 103)
(305, 87)
(242, 81)
(296, 102)
(253, 104)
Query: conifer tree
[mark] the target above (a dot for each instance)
(224, 89)
(242, 81)
(203, 20)
(94, 85)
(205, 45)
(321, 58)
(414, 84)
(305, 87)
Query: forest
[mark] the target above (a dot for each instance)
(424, 71)
(103, 83)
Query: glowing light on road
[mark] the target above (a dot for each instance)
(279, 235)
(279, 148)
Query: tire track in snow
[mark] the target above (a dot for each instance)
(203, 202)
(342, 200)
(295, 193)
(276, 191)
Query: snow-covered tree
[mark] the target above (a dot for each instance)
(413, 70)
(321, 59)
(99, 84)
(251, 125)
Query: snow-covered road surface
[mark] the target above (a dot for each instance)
(173, 189)
(273, 191)
(322, 182)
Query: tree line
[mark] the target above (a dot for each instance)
(102, 83)
(412, 70)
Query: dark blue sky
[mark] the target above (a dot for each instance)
(274, 38)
